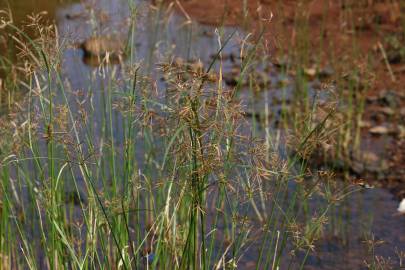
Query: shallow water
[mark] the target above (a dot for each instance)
(362, 215)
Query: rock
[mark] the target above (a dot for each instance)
(326, 72)
(100, 46)
(364, 124)
(310, 72)
(357, 167)
(230, 80)
(370, 157)
(379, 130)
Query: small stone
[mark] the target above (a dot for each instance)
(326, 72)
(357, 167)
(230, 80)
(364, 124)
(100, 46)
(379, 130)
(370, 157)
(310, 72)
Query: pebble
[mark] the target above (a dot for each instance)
(379, 130)
(310, 72)
(370, 157)
(326, 72)
(99, 46)
(365, 124)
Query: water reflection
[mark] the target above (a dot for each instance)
(21, 8)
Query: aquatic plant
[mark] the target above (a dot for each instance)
(155, 165)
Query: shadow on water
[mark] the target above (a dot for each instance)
(363, 217)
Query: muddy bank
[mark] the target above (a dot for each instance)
(227, 12)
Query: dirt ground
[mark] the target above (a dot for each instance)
(367, 36)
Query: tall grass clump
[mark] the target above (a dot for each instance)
(135, 172)
(321, 68)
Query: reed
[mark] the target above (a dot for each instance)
(132, 173)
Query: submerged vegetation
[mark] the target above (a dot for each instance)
(160, 161)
